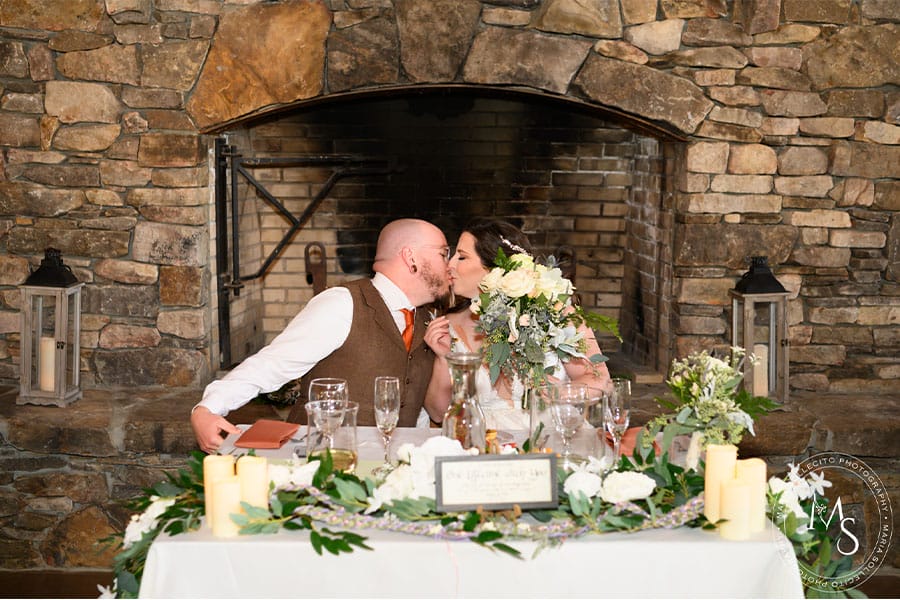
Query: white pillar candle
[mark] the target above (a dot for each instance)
(752, 471)
(226, 493)
(720, 461)
(47, 364)
(214, 467)
(253, 473)
(735, 509)
(761, 370)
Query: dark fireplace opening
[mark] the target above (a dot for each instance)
(573, 180)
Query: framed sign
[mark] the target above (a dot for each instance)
(495, 482)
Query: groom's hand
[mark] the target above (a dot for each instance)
(206, 428)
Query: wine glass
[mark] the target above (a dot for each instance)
(328, 397)
(387, 413)
(618, 409)
(567, 407)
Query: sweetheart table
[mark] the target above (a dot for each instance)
(674, 563)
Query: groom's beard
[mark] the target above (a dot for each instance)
(438, 287)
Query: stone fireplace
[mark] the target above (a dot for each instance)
(664, 141)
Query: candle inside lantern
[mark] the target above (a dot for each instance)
(214, 467)
(735, 509)
(720, 461)
(752, 471)
(761, 370)
(47, 364)
(226, 495)
(253, 473)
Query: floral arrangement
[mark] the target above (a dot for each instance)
(708, 403)
(644, 493)
(526, 313)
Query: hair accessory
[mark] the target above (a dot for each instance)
(512, 246)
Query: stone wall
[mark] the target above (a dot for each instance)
(789, 149)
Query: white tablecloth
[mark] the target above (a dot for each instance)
(658, 563)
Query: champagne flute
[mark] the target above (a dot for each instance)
(329, 397)
(618, 413)
(387, 413)
(567, 408)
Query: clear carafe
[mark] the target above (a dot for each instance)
(464, 419)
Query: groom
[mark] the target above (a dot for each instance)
(356, 331)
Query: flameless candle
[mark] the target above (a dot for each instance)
(47, 364)
(253, 473)
(214, 467)
(761, 370)
(752, 471)
(720, 460)
(735, 509)
(226, 493)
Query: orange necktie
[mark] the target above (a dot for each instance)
(408, 330)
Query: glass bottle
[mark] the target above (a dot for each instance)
(464, 419)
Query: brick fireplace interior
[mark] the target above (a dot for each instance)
(573, 179)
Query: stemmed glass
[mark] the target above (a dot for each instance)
(328, 398)
(387, 413)
(618, 409)
(567, 405)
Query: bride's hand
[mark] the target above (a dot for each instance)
(437, 336)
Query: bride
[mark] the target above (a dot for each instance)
(455, 332)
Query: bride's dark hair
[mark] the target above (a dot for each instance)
(491, 234)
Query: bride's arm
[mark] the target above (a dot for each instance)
(437, 396)
(581, 370)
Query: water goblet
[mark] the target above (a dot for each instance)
(567, 406)
(618, 413)
(387, 413)
(325, 416)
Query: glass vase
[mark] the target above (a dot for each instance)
(464, 419)
(540, 421)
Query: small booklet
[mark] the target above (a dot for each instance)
(267, 434)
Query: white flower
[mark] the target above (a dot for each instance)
(513, 329)
(525, 260)
(105, 591)
(491, 281)
(692, 458)
(741, 418)
(626, 485)
(508, 449)
(295, 474)
(584, 482)
(551, 283)
(516, 284)
(798, 484)
(599, 466)
(818, 483)
(397, 485)
(145, 522)
(788, 498)
(525, 320)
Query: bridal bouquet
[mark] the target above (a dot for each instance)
(529, 321)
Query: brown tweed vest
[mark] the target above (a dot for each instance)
(375, 347)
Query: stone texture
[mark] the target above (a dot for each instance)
(724, 57)
(116, 64)
(126, 271)
(785, 58)
(175, 64)
(857, 239)
(874, 433)
(13, 61)
(707, 157)
(855, 103)
(233, 84)
(774, 77)
(74, 41)
(812, 185)
(181, 286)
(83, 432)
(799, 160)
(150, 366)
(854, 159)
(820, 11)
(638, 11)
(879, 9)
(73, 102)
(821, 257)
(86, 138)
(122, 300)
(789, 33)
(621, 51)
(19, 130)
(792, 104)
(188, 324)
(596, 18)
(729, 245)
(714, 32)
(855, 57)
(435, 36)
(124, 173)
(152, 430)
(84, 488)
(503, 56)
(752, 159)
(818, 218)
(685, 9)
(188, 215)
(70, 241)
(63, 176)
(736, 116)
(645, 91)
(27, 103)
(857, 192)
(887, 195)
(74, 542)
(712, 292)
(170, 244)
(743, 184)
(779, 433)
(52, 15)
(169, 150)
(115, 336)
(878, 133)
(656, 37)
(38, 201)
(363, 55)
(761, 15)
(835, 127)
(13, 270)
(727, 131)
(719, 203)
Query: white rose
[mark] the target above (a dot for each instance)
(146, 521)
(692, 459)
(525, 260)
(397, 485)
(626, 485)
(585, 482)
(491, 281)
(518, 283)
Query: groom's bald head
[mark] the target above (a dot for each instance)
(409, 253)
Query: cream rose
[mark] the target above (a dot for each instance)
(516, 284)
(585, 482)
(626, 485)
(491, 281)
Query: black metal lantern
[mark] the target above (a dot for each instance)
(759, 325)
(51, 332)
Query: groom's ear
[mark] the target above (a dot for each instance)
(408, 256)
